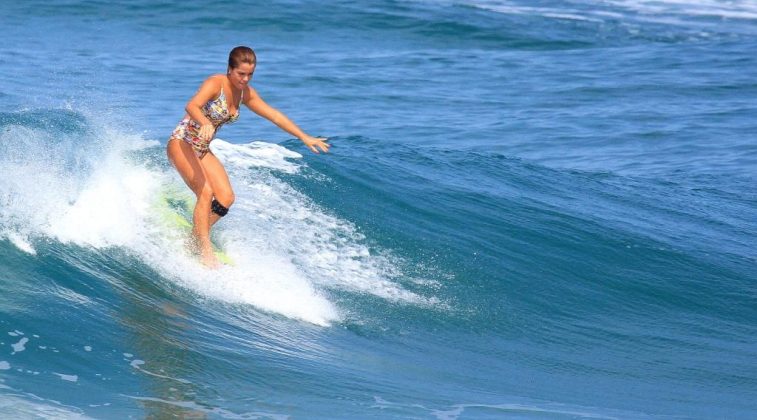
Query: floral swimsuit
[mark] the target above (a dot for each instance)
(217, 111)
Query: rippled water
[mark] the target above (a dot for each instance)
(530, 209)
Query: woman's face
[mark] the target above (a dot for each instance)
(241, 75)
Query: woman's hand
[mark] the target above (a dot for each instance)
(206, 132)
(313, 143)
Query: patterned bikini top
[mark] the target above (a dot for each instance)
(217, 110)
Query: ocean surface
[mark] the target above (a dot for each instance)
(531, 209)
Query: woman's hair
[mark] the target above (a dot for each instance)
(241, 54)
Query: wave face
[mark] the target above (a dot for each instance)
(530, 209)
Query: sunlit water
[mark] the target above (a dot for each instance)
(530, 210)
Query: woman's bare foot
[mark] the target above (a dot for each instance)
(203, 249)
(208, 258)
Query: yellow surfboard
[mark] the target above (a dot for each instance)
(173, 209)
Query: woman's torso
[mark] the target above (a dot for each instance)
(217, 111)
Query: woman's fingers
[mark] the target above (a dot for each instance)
(314, 143)
(324, 146)
(321, 142)
(206, 132)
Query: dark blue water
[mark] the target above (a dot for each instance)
(530, 210)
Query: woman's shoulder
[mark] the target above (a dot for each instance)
(216, 79)
(212, 85)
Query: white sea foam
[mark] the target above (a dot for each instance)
(733, 9)
(21, 242)
(114, 204)
(203, 411)
(529, 408)
(283, 226)
(65, 377)
(289, 252)
(670, 12)
(256, 154)
(556, 13)
(30, 406)
(20, 346)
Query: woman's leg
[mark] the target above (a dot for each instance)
(191, 169)
(219, 183)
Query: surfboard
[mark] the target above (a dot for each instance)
(174, 209)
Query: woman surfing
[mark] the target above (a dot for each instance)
(216, 103)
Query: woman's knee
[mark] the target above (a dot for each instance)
(226, 198)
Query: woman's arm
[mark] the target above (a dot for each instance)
(208, 91)
(260, 107)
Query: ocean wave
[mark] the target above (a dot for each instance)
(289, 251)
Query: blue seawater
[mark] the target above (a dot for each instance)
(531, 209)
